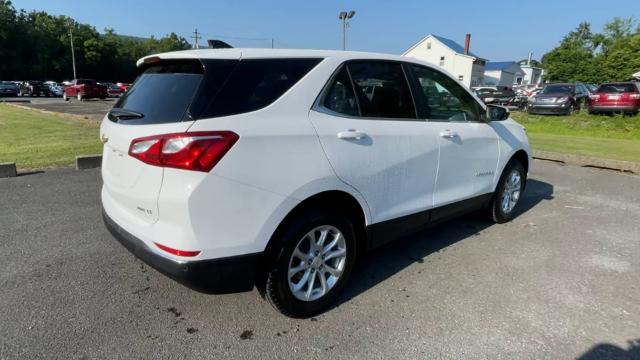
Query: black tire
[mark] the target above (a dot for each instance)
(495, 211)
(277, 289)
(570, 110)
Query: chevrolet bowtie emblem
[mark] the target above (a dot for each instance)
(104, 138)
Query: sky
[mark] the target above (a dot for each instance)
(500, 30)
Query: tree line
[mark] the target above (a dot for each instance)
(36, 46)
(611, 55)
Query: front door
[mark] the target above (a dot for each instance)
(469, 147)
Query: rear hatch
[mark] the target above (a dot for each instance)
(625, 94)
(159, 102)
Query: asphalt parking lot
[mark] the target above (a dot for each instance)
(560, 281)
(92, 109)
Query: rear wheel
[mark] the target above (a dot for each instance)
(314, 261)
(508, 192)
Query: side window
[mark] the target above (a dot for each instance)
(442, 98)
(382, 90)
(340, 97)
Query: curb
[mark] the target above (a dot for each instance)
(85, 162)
(8, 169)
(588, 161)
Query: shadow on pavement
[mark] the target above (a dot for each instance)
(384, 262)
(613, 352)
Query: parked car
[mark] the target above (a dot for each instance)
(56, 89)
(33, 88)
(621, 97)
(561, 98)
(591, 88)
(280, 168)
(83, 89)
(495, 94)
(123, 86)
(8, 89)
(113, 89)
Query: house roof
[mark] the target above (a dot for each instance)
(448, 43)
(499, 65)
(453, 45)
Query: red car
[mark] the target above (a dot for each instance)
(123, 86)
(616, 97)
(84, 89)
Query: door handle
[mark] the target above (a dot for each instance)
(448, 134)
(351, 135)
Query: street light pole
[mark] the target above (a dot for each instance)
(73, 54)
(345, 16)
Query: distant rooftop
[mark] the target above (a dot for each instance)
(453, 45)
(499, 65)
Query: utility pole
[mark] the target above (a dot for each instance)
(73, 54)
(197, 37)
(344, 16)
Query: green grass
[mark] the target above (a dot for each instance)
(34, 140)
(611, 137)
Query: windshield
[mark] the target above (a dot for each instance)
(558, 89)
(616, 88)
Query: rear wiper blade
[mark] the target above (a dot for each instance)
(123, 114)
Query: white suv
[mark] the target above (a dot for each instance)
(229, 169)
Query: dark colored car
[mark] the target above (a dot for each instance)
(559, 99)
(621, 97)
(8, 89)
(33, 88)
(84, 89)
(501, 95)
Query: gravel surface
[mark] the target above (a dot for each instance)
(561, 281)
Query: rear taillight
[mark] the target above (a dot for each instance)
(634, 96)
(197, 151)
(594, 97)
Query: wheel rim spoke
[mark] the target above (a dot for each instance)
(317, 263)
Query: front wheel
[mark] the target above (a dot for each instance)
(508, 192)
(314, 261)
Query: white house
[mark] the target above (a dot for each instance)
(502, 73)
(532, 75)
(451, 56)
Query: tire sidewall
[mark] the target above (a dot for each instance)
(498, 214)
(278, 289)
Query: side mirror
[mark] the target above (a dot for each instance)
(497, 113)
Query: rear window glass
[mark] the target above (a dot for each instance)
(558, 89)
(162, 93)
(616, 88)
(253, 84)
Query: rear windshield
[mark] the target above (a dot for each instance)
(616, 88)
(191, 89)
(558, 89)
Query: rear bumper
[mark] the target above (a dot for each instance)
(613, 108)
(216, 276)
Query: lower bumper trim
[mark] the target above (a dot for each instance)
(217, 276)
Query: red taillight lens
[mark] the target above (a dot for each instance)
(594, 97)
(197, 151)
(635, 96)
(177, 252)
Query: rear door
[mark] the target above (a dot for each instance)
(367, 124)
(469, 147)
(158, 103)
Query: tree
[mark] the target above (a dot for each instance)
(36, 45)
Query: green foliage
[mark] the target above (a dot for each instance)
(613, 55)
(36, 45)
